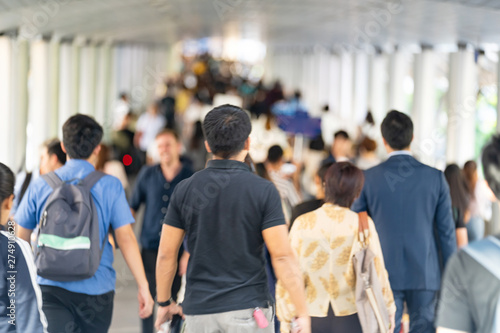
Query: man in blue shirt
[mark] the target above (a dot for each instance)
(154, 187)
(410, 205)
(86, 305)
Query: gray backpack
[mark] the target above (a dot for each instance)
(68, 246)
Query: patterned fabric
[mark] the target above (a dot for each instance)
(325, 241)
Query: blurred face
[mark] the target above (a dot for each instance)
(341, 147)
(168, 148)
(48, 163)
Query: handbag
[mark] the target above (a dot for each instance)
(372, 311)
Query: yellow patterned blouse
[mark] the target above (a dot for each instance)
(325, 241)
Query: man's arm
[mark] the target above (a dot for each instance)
(444, 221)
(166, 266)
(287, 271)
(360, 204)
(128, 245)
(23, 233)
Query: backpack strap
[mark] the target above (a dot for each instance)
(52, 179)
(91, 179)
(486, 252)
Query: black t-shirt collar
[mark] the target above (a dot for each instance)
(227, 164)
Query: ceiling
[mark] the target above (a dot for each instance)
(277, 22)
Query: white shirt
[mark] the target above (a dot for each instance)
(149, 125)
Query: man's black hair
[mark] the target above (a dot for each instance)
(341, 134)
(54, 148)
(397, 130)
(81, 135)
(274, 154)
(226, 129)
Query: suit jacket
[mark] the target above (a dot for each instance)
(410, 205)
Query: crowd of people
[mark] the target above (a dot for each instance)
(241, 233)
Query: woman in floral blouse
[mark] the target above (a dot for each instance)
(325, 241)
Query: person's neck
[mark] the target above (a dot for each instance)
(91, 160)
(240, 157)
(274, 166)
(170, 170)
(391, 150)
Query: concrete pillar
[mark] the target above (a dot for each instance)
(377, 97)
(6, 114)
(39, 118)
(346, 82)
(461, 131)
(424, 107)
(87, 86)
(68, 82)
(360, 89)
(397, 73)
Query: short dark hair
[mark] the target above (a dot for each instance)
(274, 154)
(7, 181)
(168, 131)
(341, 134)
(343, 184)
(397, 130)
(226, 129)
(81, 135)
(54, 148)
(491, 164)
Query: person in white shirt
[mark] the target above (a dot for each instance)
(122, 108)
(148, 126)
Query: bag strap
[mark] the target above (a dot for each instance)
(91, 179)
(486, 252)
(363, 228)
(52, 179)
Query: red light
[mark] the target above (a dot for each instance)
(127, 160)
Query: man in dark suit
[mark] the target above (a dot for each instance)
(410, 205)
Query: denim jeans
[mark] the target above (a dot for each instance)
(475, 228)
(239, 321)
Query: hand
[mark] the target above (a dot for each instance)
(303, 324)
(392, 320)
(146, 302)
(165, 313)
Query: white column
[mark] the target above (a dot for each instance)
(19, 108)
(397, 72)
(346, 79)
(102, 91)
(377, 100)
(498, 95)
(39, 106)
(87, 80)
(335, 84)
(324, 80)
(53, 89)
(6, 135)
(360, 89)
(461, 133)
(424, 107)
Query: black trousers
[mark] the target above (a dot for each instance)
(69, 312)
(149, 261)
(333, 324)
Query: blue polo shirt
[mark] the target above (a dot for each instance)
(112, 210)
(152, 189)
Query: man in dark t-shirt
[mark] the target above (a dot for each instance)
(227, 214)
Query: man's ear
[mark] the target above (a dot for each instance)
(207, 147)
(63, 148)
(97, 150)
(247, 144)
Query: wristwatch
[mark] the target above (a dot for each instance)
(167, 303)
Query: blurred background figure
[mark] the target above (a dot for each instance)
(148, 126)
(367, 154)
(460, 201)
(480, 204)
(122, 108)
